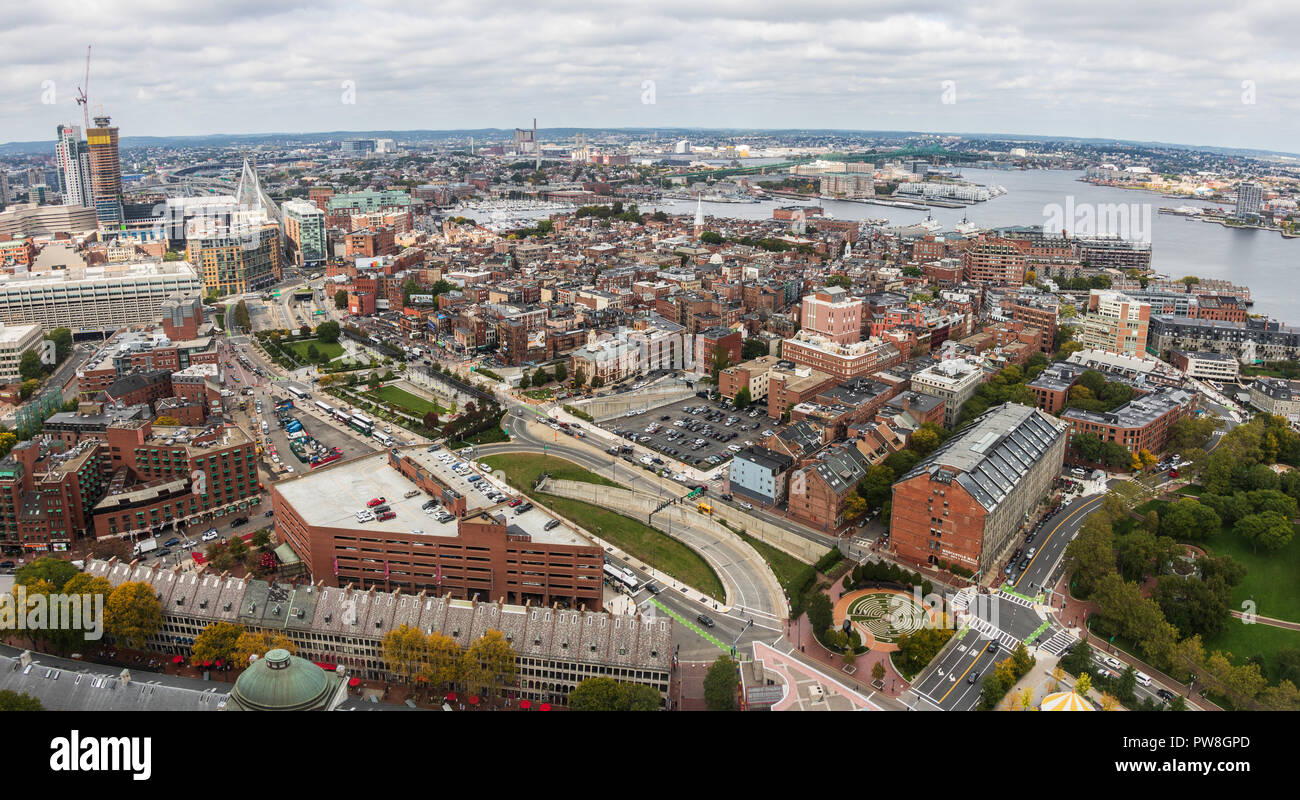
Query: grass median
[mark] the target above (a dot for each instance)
(633, 537)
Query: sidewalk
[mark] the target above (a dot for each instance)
(1071, 613)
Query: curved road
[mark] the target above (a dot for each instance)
(749, 581)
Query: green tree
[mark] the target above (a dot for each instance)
(341, 299)
(328, 332)
(607, 694)
(1267, 529)
(15, 701)
(55, 571)
(579, 378)
(742, 398)
(753, 348)
(30, 366)
(133, 613)
(820, 612)
(720, 684)
(561, 372)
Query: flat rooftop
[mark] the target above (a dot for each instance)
(351, 484)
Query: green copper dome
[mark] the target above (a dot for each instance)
(283, 682)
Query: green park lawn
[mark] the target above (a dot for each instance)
(1271, 578)
(632, 537)
(786, 567)
(299, 347)
(1243, 641)
(416, 406)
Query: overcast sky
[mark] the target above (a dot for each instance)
(1103, 68)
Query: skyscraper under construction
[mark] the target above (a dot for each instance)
(105, 172)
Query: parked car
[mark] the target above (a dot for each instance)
(375, 501)
(705, 620)
(172, 542)
(387, 515)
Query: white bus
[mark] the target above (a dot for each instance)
(298, 393)
(326, 408)
(385, 439)
(617, 577)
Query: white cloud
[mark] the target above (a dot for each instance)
(1105, 68)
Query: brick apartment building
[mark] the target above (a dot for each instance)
(1140, 424)
(819, 488)
(965, 503)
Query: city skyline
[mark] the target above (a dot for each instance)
(1136, 74)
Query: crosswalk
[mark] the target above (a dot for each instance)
(961, 600)
(1020, 601)
(1057, 642)
(989, 632)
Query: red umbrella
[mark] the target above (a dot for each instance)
(451, 697)
(545, 706)
(178, 660)
(525, 704)
(354, 682)
(473, 699)
(218, 663)
(207, 663)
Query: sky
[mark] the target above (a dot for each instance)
(1191, 72)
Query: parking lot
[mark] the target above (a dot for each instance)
(708, 430)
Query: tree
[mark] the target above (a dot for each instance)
(561, 372)
(878, 671)
(15, 701)
(742, 398)
(607, 694)
(820, 613)
(524, 380)
(304, 331)
(28, 388)
(579, 378)
(1267, 529)
(753, 348)
(216, 642)
(30, 366)
(720, 359)
(62, 338)
(1189, 520)
(442, 665)
(236, 547)
(251, 644)
(854, 507)
(488, 663)
(55, 571)
(876, 487)
(341, 299)
(431, 419)
(720, 684)
(133, 613)
(405, 652)
(328, 332)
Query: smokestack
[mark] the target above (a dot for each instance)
(537, 145)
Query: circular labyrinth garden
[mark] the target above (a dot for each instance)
(886, 615)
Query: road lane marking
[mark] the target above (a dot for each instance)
(963, 675)
(1043, 547)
